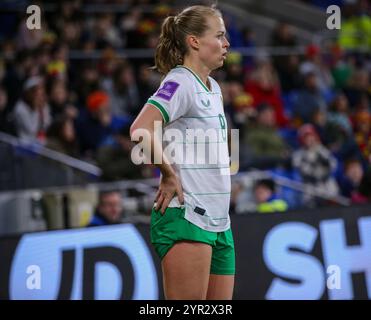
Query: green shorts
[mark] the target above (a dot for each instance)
(168, 228)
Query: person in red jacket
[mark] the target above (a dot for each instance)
(264, 87)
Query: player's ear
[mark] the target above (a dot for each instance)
(193, 42)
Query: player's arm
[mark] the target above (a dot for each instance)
(152, 148)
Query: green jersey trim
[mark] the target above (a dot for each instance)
(197, 78)
(161, 108)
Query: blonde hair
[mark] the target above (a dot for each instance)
(172, 46)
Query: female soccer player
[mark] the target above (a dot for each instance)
(190, 224)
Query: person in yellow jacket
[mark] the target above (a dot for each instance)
(266, 198)
(355, 32)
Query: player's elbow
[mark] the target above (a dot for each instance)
(138, 130)
(133, 129)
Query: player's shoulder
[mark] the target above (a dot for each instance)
(177, 80)
(179, 74)
(173, 84)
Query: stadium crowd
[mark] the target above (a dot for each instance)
(308, 116)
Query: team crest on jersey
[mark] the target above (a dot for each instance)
(206, 104)
(167, 90)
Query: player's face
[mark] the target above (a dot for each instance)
(213, 44)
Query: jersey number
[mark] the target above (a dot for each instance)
(222, 125)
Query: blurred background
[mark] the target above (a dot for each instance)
(298, 92)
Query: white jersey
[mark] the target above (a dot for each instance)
(187, 105)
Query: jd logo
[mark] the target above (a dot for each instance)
(334, 20)
(111, 262)
(34, 20)
(92, 257)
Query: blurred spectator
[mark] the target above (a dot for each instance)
(289, 75)
(107, 64)
(365, 186)
(339, 113)
(314, 64)
(148, 81)
(364, 24)
(58, 65)
(355, 32)
(264, 87)
(362, 133)
(96, 125)
(363, 103)
(29, 38)
(358, 88)
(309, 99)
(237, 103)
(314, 163)
(266, 197)
(351, 181)
(31, 112)
(71, 32)
(234, 67)
(115, 160)
(123, 92)
(248, 41)
(87, 81)
(42, 56)
(339, 141)
(58, 99)
(6, 118)
(232, 90)
(283, 36)
(105, 32)
(17, 73)
(342, 66)
(87, 44)
(67, 12)
(129, 25)
(262, 143)
(243, 110)
(138, 27)
(108, 210)
(61, 136)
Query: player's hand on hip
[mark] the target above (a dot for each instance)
(169, 186)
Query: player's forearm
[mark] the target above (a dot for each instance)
(152, 148)
(157, 153)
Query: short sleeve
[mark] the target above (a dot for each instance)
(173, 97)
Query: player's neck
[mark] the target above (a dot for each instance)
(200, 70)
